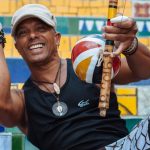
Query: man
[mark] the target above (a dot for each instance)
(46, 110)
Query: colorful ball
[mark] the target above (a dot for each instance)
(87, 59)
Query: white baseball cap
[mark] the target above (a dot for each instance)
(32, 10)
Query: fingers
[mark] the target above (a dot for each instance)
(119, 19)
(120, 37)
(123, 46)
(114, 30)
(123, 33)
(111, 54)
(128, 27)
(125, 24)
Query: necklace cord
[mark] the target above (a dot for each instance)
(56, 95)
(41, 82)
(58, 108)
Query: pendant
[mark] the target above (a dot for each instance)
(59, 109)
(56, 88)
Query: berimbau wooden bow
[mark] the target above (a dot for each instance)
(107, 64)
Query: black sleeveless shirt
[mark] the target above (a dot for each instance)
(81, 128)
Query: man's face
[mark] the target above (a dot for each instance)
(36, 41)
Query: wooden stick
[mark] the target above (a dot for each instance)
(107, 64)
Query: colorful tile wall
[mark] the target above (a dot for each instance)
(91, 17)
(127, 99)
(83, 25)
(68, 7)
(73, 29)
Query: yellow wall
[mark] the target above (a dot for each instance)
(97, 8)
(66, 45)
(68, 7)
(65, 8)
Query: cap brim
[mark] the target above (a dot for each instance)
(22, 18)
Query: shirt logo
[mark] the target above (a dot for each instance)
(83, 103)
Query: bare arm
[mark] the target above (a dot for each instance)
(139, 63)
(134, 67)
(12, 108)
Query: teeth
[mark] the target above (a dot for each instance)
(36, 46)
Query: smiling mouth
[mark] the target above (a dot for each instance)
(36, 46)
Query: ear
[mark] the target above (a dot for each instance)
(16, 46)
(57, 38)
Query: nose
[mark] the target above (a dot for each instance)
(33, 35)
